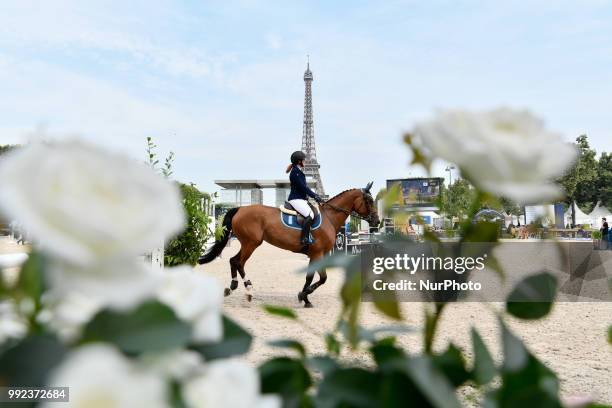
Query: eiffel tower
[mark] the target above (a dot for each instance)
(311, 166)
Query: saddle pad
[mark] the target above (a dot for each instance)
(290, 221)
(293, 212)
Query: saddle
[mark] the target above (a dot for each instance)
(287, 208)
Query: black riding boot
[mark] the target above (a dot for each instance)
(306, 230)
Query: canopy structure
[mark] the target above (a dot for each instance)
(581, 217)
(598, 213)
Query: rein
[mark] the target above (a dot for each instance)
(347, 212)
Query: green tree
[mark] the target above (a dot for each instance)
(510, 207)
(579, 181)
(604, 179)
(456, 199)
(6, 148)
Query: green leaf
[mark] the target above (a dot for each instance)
(515, 353)
(333, 346)
(452, 364)
(286, 377)
(349, 387)
(337, 260)
(280, 311)
(480, 232)
(431, 382)
(387, 306)
(484, 366)
(533, 297)
(325, 365)
(31, 276)
(29, 362)
(292, 344)
(235, 341)
(610, 334)
(385, 351)
(150, 327)
(525, 380)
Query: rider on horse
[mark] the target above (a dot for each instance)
(300, 193)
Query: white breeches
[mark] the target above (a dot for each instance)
(302, 207)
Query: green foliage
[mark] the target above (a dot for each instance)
(150, 327)
(455, 200)
(6, 148)
(533, 297)
(484, 367)
(290, 344)
(280, 311)
(235, 341)
(579, 181)
(29, 362)
(187, 247)
(168, 162)
(603, 185)
(151, 154)
(219, 228)
(287, 377)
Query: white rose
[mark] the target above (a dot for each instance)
(229, 384)
(99, 376)
(115, 285)
(12, 325)
(195, 297)
(506, 152)
(68, 313)
(85, 204)
(175, 364)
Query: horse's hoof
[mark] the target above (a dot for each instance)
(308, 305)
(227, 292)
(249, 297)
(300, 297)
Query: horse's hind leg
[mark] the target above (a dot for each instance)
(245, 253)
(234, 267)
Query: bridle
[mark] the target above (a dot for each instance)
(369, 218)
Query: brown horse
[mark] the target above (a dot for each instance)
(257, 223)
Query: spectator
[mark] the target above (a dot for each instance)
(604, 234)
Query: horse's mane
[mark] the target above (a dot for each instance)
(339, 194)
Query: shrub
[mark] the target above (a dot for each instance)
(187, 247)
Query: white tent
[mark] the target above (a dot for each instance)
(598, 213)
(581, 217)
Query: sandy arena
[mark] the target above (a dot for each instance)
(572, 340)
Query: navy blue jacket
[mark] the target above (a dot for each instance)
(299, 188)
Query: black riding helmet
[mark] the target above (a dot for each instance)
(297, 157)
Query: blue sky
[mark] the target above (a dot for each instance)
(220, 83)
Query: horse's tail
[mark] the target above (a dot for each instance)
(217, 248)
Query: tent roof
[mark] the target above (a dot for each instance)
(580, 215)
(600, 211)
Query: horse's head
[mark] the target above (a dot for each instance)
(364, 206)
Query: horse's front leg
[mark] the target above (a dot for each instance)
(303, 295)
(309, 287)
